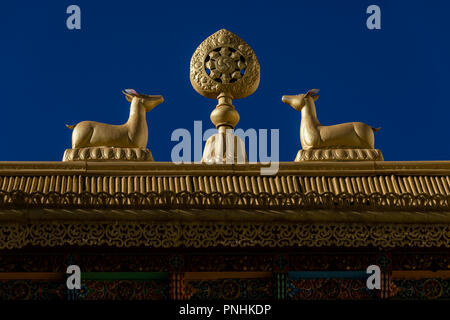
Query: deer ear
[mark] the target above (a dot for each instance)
(315, 97)
(128, 96)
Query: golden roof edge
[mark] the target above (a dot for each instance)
(170, 169)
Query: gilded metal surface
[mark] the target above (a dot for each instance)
(108, 153)
(339, 154)
(202, 235)
(132, 134)
(224, 63)
(314, 135)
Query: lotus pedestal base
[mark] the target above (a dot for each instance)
(108, 153)
(339, 155)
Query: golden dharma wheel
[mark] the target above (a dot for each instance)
(224, 63)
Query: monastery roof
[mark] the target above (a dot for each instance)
(109, 191)
(418, 182)
(164, 205)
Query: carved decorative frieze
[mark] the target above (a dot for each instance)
(212, 234)
(218, 200)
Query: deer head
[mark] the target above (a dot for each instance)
(147, 101)
(298, 101)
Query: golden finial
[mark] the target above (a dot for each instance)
(224, 67)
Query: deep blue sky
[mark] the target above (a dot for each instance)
(396, 77)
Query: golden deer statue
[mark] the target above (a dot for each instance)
(132, 134)
(313, 135)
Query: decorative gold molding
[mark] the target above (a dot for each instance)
(246, 200)
(209, 235)
(107, 153)
(339, 155)
(311, 168)
(230, 215)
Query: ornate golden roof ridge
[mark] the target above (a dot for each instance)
(316, 168)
